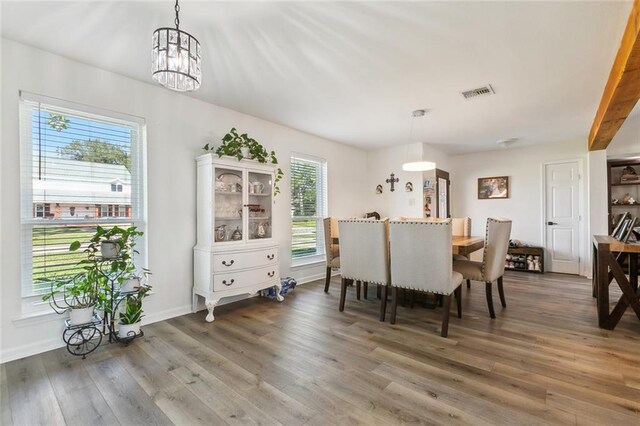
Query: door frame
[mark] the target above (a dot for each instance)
(441, 174)
(582, 254)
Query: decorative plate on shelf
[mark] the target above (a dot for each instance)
(229, 182)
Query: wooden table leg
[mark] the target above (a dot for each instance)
(633, 271)
(629, 296)
(594, 271)
(602, 292)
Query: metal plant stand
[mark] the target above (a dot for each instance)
(115, 298)
(82, 339)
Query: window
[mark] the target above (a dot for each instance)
(70, 157)
(308, 207)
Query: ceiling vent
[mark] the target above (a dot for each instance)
(480, 91)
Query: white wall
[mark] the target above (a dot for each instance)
(524, 166)
(177, 127)
(626, 143)
(382, 162)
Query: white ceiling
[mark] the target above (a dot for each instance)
(354, 71)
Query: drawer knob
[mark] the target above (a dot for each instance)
(224, 262)
(228, 283)
(271, 274)
(271, 256)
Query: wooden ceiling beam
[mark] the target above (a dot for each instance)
(623, 87)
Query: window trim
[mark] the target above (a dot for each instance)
(319, 256)
(33, 304)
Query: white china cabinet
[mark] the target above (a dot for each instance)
(235, 253)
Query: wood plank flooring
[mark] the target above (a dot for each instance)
(543, 360)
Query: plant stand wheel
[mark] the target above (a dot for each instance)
(82, 339)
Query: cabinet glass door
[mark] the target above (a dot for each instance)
(260, 194)
(228, 205)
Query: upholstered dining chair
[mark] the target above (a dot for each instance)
(364, 256)
(421, 260)
(491, 268)
(461, 227)
(331, 250)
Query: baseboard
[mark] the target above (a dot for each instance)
(316, 277)
(167, 314)
(29, 349)
(55, 343)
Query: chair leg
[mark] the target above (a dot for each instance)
(365, 289)
(379, 292)
(327, 280)
(492, 314)
(440, 300)
(343, 293)
(358, 290)
(383, 301)
(501, 292)
(446, 306)
(458, 293)
(468, 283)
(394, 304)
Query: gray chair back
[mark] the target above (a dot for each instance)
(421, 255)
(495, 248)
(364, 250)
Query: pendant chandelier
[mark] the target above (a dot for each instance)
(176, 58)
(418, 166)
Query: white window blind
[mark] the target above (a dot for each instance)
(71, 157)
(308, 206)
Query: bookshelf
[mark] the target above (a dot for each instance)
(617, 190)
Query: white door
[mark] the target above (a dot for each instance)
(562, 217)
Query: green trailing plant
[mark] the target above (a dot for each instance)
(132, 312)
(91, 286)
(83, 290)
(232, 144)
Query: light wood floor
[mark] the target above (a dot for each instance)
(543, 360)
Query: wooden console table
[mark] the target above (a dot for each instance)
(605, 269)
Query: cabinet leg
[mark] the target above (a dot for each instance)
(194, 303)
(210, 304)
(279, 297)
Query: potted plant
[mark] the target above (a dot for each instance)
(79, 295)
(131, 314)
(111, 242)
(133, 279)
(242, 146)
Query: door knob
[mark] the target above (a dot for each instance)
(551, 223)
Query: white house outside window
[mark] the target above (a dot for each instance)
(308, 207)
(70, 157)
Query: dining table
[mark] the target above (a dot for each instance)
(459, 244)
(608, 254)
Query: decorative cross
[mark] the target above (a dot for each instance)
(392, 181)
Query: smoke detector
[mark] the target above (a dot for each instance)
(419, 113)
(506, 143)
(477, 92)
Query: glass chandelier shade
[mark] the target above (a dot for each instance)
(176, 58)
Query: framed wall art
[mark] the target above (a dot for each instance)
(490, 188)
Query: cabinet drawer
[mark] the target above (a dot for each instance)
(226, 262)
(232, 280)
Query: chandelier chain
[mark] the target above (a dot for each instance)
(177, 20)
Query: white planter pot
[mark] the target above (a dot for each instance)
(81, 316)
(245, 152)
(130, 285)
(128, 330)
(109, 249)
